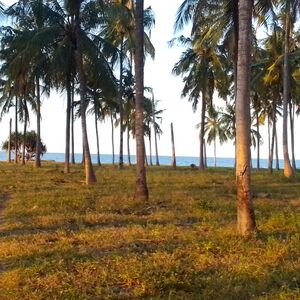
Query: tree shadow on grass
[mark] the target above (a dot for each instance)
(215, 281)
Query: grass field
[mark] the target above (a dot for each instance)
(60, 239)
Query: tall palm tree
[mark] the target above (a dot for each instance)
(119, 29)
(202, 67)
(31, 20)
(74, 9)
(291, 8)
(141, 191)
(245, 211)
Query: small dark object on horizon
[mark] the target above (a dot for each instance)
(193, 166)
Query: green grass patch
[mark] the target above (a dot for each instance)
(61, 239)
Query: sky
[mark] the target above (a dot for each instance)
(167, 89)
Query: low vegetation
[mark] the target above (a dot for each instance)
(61, 239)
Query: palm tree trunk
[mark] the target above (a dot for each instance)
(245, 211)
(292, 118)
(269, 135)
(156, 148)
(9, 142)
(150, 148)
(141, 192)
(97, 140)
(276, 150)
(112, 139)
(146, 158)
(16, 131)
(121, 159)
(128, 146)
(173, 147)
(288, 170)
(68, 121)
(204, 153)
(258, 140)
(24, 141)
(72, 124)
(38, 124)
(271, 153)
(215, 152)
(201, 136)
(90, 177)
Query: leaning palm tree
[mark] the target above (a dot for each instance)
(245, 211)
(141, 191)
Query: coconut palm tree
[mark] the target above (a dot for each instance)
(119, 29)
(214, 128)
(245, 211)
(202, 67)
(29, 42)
(141, 192)
(290, 9)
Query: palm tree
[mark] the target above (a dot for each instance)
(141, 192)
(245, 211)
(31, 20)
(214, 128)
(75, 10)
(119, 29)
(204, 68)
(290, 10)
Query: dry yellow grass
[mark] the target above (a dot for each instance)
(60, 239)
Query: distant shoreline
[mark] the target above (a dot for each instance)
(163, 160)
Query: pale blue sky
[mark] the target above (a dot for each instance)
(167, 88)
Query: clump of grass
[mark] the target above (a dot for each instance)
(60, 239)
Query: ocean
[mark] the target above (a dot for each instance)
(163, 160)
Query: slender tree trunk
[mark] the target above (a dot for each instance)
(146, 158)
(288, 170)
(121, 159)
(269, 135)
(258, 140)
(68, 121)
(271, 153)
(9, 142)
(156, 148)
(201, 136)
(292, 115)
(204, 152)
(141, 191)
(24, 141)
(72, 124)
(155, 133)
(16, 132)
(90, 177)
(97, 140)
(215, 152)
(38, 124)
(245, 211)
(83, 156)
(128, 146)
(112, 139)
(150, 148)
(276, 150)
(173, 147)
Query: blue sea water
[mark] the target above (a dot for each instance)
(163, 160)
